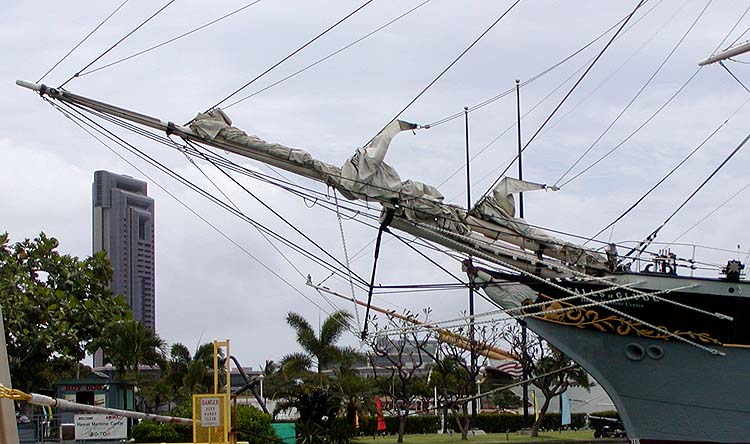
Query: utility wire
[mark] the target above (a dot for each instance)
(81, 42)
(637, 94)
(601, 53)
(132, 56)
(328, 56)
(118, 42)
(290, 55)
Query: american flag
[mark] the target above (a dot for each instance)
(512, 368)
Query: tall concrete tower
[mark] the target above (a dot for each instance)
(124, 228)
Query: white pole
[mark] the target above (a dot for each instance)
(731, 52)
(8, 427)
(38, 399)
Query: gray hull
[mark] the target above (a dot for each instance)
(665, 391)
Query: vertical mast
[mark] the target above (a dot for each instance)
(524, 355)
(473, 360)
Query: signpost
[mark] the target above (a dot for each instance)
(100, 427)
(210, 412)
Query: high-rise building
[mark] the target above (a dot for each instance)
(124, 228)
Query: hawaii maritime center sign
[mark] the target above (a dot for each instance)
(100, 427)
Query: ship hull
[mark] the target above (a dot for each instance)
(664, 391)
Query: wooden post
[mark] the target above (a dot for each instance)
(8, 428)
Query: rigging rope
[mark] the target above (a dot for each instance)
(721, 165)
(559, 105)
(344, 48)
(81, 42)
(448, 239)
(267, 239)
(737, 193)
(207, 195)
(633, 133)
(290, 55)
(449, 66)
(81, 123)
(159, 45)
(734, 76)
(117, 43)
(494, 171)
(346, 257)
(544, 72)
(675, 168)
(637, 94)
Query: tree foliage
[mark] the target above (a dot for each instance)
(319, 349)
(454, 376)
(54, 306)
(128, 344)
(254, 426)
(552, 370)
(398, 363)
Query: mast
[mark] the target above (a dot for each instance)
(472, 351)
(524, 333)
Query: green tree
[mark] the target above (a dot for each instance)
(552, 370)
(318, 398)
(54, 306)
(188, 374)
(128, 344)
(506, 400)
(319, 350)
(454, 376)
(398, 363)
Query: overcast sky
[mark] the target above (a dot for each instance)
(207, 288)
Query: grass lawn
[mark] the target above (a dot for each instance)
(495, 438)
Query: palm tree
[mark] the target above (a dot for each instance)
(190, 374)
(128, 344)
(320, 350)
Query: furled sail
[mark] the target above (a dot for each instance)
(496, 214)
(364, 176)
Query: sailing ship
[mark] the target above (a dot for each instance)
(672, 351)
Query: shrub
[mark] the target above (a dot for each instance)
(152, 431)
(253, 425)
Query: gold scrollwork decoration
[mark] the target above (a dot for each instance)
(565, 313)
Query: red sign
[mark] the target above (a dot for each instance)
(84, 388)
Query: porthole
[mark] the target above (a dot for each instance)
(635, 352)
(655, 352)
